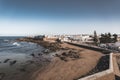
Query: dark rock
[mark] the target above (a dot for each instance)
(13, 62)
(57, 55)
(64, 54)
(33, 55)
(40, 54)
(6, 60)
(76, 56)
(63, 58)
(46, 51)
(23, 70)
(70, 51)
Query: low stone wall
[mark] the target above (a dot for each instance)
(109, 74)
(116, 65)
(104, 75)
(91, 48)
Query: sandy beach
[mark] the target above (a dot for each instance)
(70, 63)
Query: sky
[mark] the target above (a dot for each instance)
(34, 17)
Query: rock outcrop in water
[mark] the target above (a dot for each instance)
(13, 62)
(6, 60)
(33, 55)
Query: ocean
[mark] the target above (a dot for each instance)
(19, 52)
(9, 45)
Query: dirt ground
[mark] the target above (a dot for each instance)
(70, 64)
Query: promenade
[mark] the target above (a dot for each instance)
(112, 73)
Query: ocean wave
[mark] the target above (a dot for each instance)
(16, 43)
(6, 40)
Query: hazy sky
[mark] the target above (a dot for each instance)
(32, 17)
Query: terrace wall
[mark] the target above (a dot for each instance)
(104, 75)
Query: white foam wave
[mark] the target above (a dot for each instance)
(17, 44)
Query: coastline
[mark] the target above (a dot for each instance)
(69, 66)
(52, 46)
(68, 62)
(17, 61)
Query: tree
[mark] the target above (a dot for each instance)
(107, 38)
(109, 35)
(115, 37)
(95, 38)
(102, 38)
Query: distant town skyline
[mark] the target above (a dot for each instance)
(34, 17)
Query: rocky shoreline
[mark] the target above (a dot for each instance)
(64, 57)
(22, 66)
(52, 46)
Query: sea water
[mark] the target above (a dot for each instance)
(15, 51)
